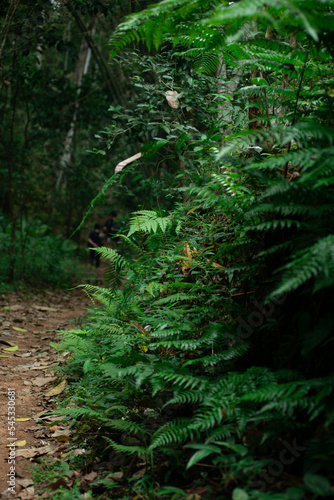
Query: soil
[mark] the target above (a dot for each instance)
(30, 321)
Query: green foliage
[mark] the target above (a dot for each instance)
(41, 257)
(213, 349)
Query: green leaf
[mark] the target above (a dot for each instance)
(197, 457)
(55, 345)
(239, 494)
(238, 448)
(152, 147)
(209, 447)
(295, 493)
(86, 365)
(317, 484)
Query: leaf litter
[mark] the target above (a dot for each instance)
(40, 315)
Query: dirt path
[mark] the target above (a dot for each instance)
(29, 321)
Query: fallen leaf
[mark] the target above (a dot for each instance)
(19, 443)
(26, 494)
(139, 473)
(19, 329)
(63, 438)
(42, 367)
(39, 381)
(33, 452)
(91, 476)
(60, 432)
(56, 390)
(54, 428)
(5, 342)
(10, 349)
(24, 482)
(16, 307)
(22, 419)
(189, 254)
(51, 418)
(2, 356)
(115, 475)
(45, 308)
(78, 452)
(27, 367)
(56, 484)
(214, 264)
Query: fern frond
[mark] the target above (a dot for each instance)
(120, 448)
(172, 433)
(214, 359)
(316, 262)
(148, 221)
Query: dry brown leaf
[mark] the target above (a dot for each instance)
(26, 494)
(24, 482)
(60, 482)
(124, 163)
(78, 452)
(172, 98)
(63, 438)
(115, 475)
(214, 264)
(45, 308)
(56, 390)
(51, 418)
(39, 381)
(140, 473)
(54, 428)
(16, 307)
(59, 432)
(44, 367)
(189, 254)
(91, 476)
(33, 452)
(5, 342)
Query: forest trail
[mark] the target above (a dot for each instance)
(30, 320)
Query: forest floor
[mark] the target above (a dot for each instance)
(29, 321)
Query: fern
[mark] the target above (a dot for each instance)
(120, 448)
(257, 207)
(148, 221)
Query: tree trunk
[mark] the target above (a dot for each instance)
(81, 70)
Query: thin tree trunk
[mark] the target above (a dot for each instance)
(113, 88)
(227, 87)
(68, 39)
(15, 6)
(81, 70)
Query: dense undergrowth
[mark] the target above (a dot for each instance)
(208, 368)
(38, 256)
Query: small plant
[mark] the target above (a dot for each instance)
(49, 471)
